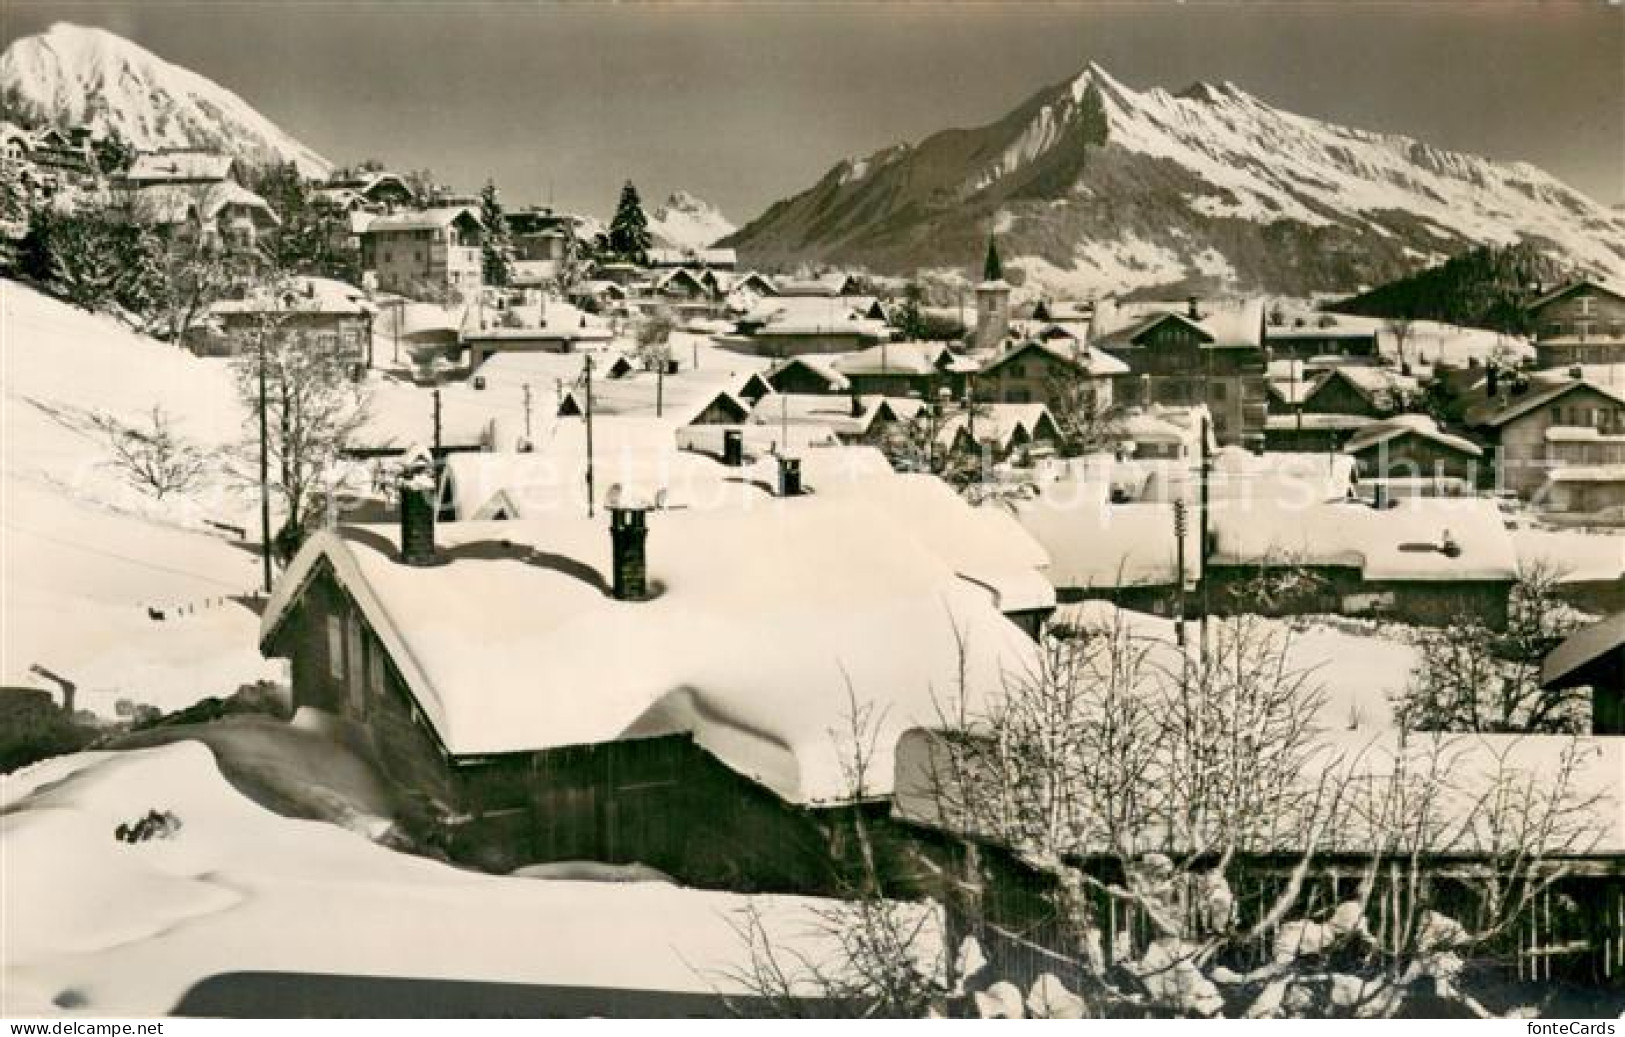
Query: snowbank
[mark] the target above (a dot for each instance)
(97, 926)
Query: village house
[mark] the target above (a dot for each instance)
(378, 190)
(1325, 412)
(181, 167)
(808, 375)
(223, 216)
(921, 369)
(1050, 371)
(334, 317)
(1201, 353)
(1421, 560)
(721, 259)
(1559, 442)
(1004, 429)
(459, 657)
(1593, 657)
(788, 326)
(1408, 452)
(1323, 341)
(433, 249)
(546, 327)
(542, 241)
(1580, 323)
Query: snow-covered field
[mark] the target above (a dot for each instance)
(84, 555)
(97, 926)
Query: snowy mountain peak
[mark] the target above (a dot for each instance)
(1100, 187)
(79, 75)
(687, 221)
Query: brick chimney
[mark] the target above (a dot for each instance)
(417, 490)
(628, 528)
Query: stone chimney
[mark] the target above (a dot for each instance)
(628, 529)
(733, 447)
(417, 491)
(789, 476)
(1192, 310)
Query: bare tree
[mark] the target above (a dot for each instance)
(1401, 328)
(1085, 422)
(152, 456)
(1474, 677)
(311, 406)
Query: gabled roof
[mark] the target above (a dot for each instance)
(1582, 648)
(1380, 387)
(1084, 359)
(902, 358)
(1596, 284)
(424, 219)
(179, 165)
(1378, 432)
(822, 366)
(303, 295)
(764, 617)
(1494, 414)
(167, 204)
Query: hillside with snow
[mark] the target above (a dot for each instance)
(685, 221)
(1096, 187)
(86, 559)
(75, 75)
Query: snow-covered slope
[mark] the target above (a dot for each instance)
(83, 554)
(685, 221)
(96, 926)
(87, 76)
(1105, 188)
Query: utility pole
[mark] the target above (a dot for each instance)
(587, 375)
(437, 443)
(265, 470)
(662, 361)
(527, 413)
(1179, 561)
(1202, 545)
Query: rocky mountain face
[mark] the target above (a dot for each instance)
(685, 221)
(1095, 187)
(73, 75)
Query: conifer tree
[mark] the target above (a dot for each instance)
(629, 231)
(498, 249)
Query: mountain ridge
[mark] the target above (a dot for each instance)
(78, 75)
(1094, 186)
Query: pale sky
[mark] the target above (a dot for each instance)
(744, 103)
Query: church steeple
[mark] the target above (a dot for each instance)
(992, 267)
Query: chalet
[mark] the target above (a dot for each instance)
(826, 286)
(1593, 657)
(852, 419)
(435, 249)
(1420, 560)
(378, 190)
(1160, 433)
(1582, 322)
(1564, 433)
(1412, 447)
(489, 669)
(1323, 342)
(1004, 428)
(1044, 371)
(808, 375)
(551, 327)
(182, 167)
(334, 317)
(904, 369)
(722, 259)
(224, 216)
(1199, 354)
(783, 327)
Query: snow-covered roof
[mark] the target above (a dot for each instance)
(1583, 647)
(821, 365)
(303, 294)
(998, 423)
(1404, 542)
(1382, 388)
(422, 219)
(1226, 324)
(906, 358)
(1091, 361)
(180, 203)
(1379, 432)
(1496, 413)
(1095, 544)
(803, 315)
(762, 620)
(1562, 290)
(179, 165)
